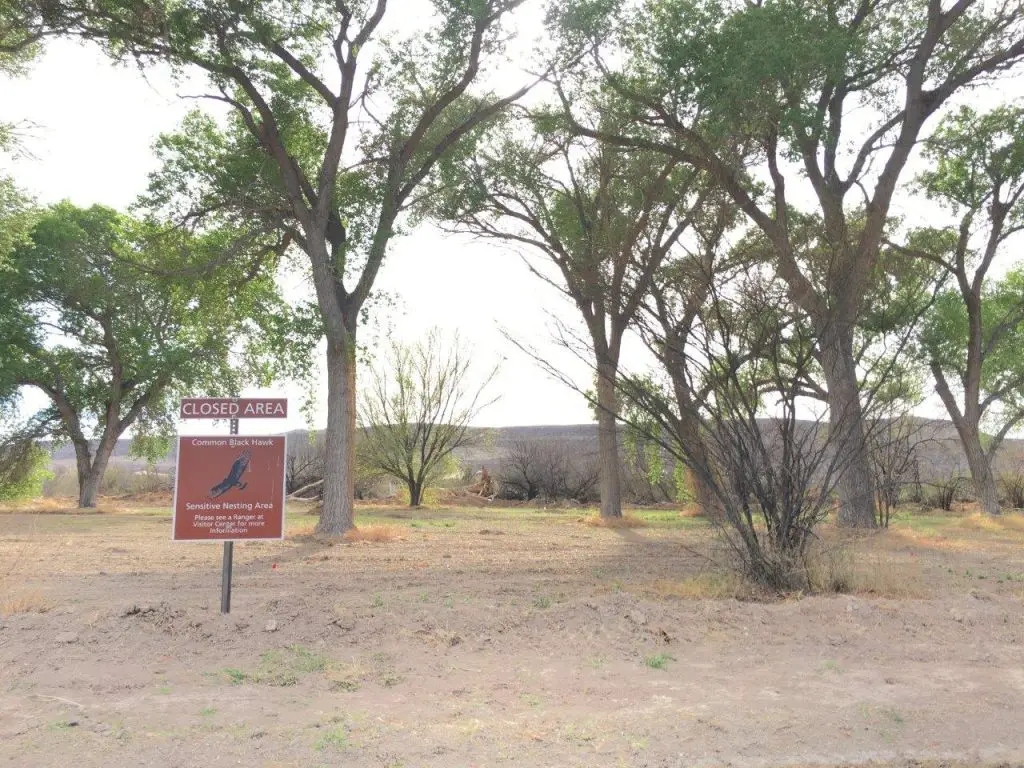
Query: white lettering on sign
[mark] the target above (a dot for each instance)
(213, 408)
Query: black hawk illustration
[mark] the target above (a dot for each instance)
(234, 478)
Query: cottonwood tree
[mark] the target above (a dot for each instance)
(834, 95)
(89, 319)
(347, 123)
(606, 219)
(418, 408)
(974, 335)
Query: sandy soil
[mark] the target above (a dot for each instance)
(484, 637)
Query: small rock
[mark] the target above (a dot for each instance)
(66, 637)
(637, 617)
(134, 610)
(72, 723)
(271, 626)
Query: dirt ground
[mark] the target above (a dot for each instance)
(518, 637)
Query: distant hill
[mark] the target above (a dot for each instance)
(939, 449)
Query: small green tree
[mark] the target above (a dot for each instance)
(973, 337)
(24, 463)
(111, 319)
(417, 410)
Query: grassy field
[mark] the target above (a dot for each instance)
(469, 636)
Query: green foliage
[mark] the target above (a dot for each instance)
(416, 411)
(24, 467)
(945, 335)
(114, 317)
(974, 155)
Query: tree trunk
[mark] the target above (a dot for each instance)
(692, 442)
(981, 473)
(336, 512)
(415, 494)
(608, 442)
(967, 427)
(846, 417)
(91, 479)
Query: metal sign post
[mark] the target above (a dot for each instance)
(229, 551)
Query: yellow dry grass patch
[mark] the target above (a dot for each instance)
(376, 533)
(626, 521)
(704, 586)
(864, 570)
(28, 602)
(1005, 523)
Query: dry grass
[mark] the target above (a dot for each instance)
(1005, 523)
(376, 533)
(28, 602)
(705, 586)
(626, 521)
(878, 573)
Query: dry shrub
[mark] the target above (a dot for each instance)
(28, 602)
(843, 570)
(692, 510)
(626, 521)
(376, 533)
(710, 585)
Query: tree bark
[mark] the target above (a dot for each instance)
(415, 493)
(90, 477)
(846, 417)
(690, 438)
(981, 473)
(968, 428)
(336, 512)
(608, 442)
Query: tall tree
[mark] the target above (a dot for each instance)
(89, 319)
(787, 76)
(418, 410)
(347, 124)
(975, 333)
(606, 219)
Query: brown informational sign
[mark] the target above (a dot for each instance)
(234, 408)
(229, 488)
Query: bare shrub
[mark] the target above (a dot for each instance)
(1012, 485)
(305, 463)
(544, 469)
(944, 491)
(738, 369)
(893, 453)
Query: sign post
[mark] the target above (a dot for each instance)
(232, 488)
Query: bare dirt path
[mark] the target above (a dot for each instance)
(493, 638)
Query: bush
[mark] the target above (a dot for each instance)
(24, 468)
(535, 469)
(943, 492)
(1012, 485)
